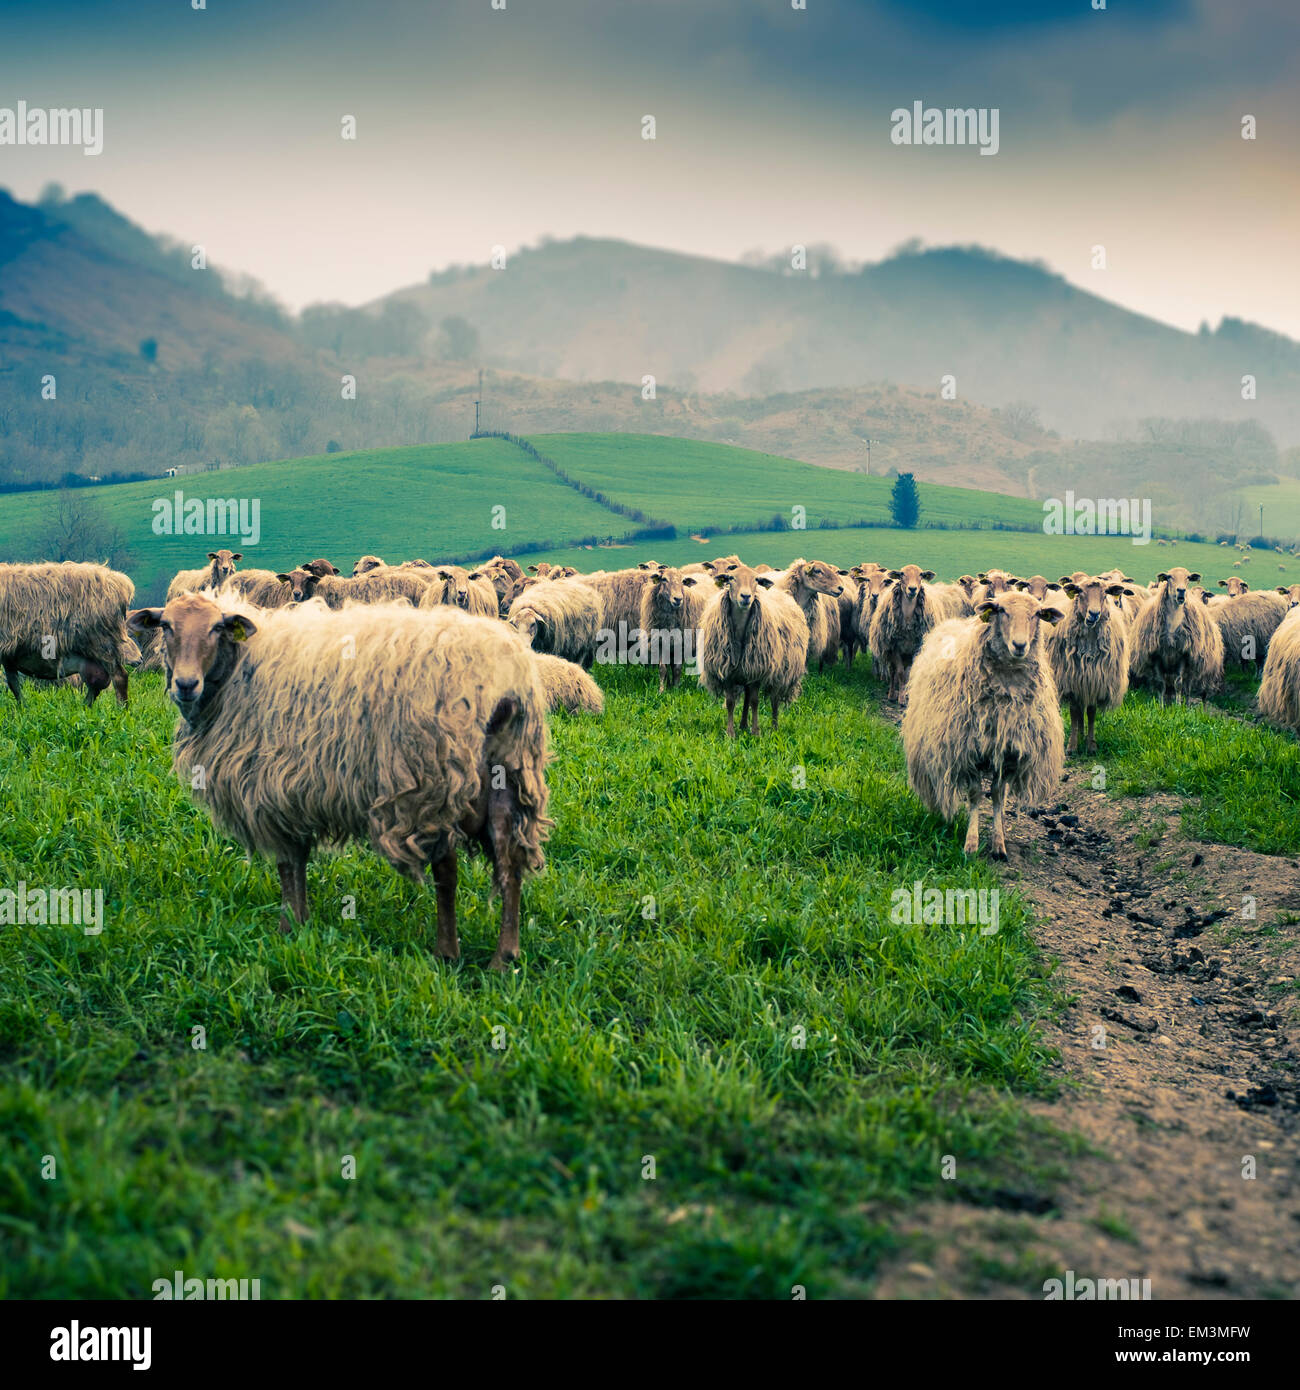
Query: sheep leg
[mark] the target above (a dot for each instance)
(731, 713)
(997, 837)
(1076, 723)
(15, 682)
(776, 711)
(447, 945)
(503, 810)
(751, 694)
(972, 845)
(1092, 729)
(293, 888)
(744, 713)
(120, 685)
(663, 677)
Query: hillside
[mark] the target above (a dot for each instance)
(1009, 331)
(441, 502)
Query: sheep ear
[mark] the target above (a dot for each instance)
(722, 580)
(1073, 590)
(690, 580)
(1223, 583)
(146, 619)
(1194, 578)
(986, 610)
(1162, 576)
(284, 578)
(763, 580)
(895, 574)
(982, 577)
(1066, 579)
(1245, 588)
(848, 572)
(445, 574)
(1281, 590)
(237, 627)
(1115, 590)
(334, 569)
(212, 554)
(927, 575)
(657, 577)
(532, 569)
(1050, 615)
(239, 555)
(1054, 586)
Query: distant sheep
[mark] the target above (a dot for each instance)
(672, 605)
(1247, 622)
(620, 593)
(320, 566)
(1089, 655)
(375, 586)
(984, 704)
(1279, 688)
(365, 564)
(1176, 645)
(567, 686)
(430, 734)
(62, 619)
(560, 617)
(753, 640)
(450, 584)
(221, 565)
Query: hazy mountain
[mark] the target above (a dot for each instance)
(1008, 331)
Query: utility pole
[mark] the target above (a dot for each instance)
(478, 403)
(869, 443)
(1261, 521)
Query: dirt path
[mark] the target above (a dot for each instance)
(1200, 1070)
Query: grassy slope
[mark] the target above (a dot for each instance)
(696, 484)
(1281, 503)
(626, 1036)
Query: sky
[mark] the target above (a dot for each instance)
(479, 127)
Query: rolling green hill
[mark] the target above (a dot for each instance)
(441, 501)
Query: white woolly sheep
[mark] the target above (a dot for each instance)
(384, 585)
(450, 584)
(672, 605)
(567, 686)
(1175, 645)
(903, 617)
(1089, 656)
(1247, 622)
(984, 705)
(1279, 687)
(816, 588)
(753, 639)
(560, 617)
(430, 731)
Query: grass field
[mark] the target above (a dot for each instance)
(701, 904)
(438, 501)
(1281, 503)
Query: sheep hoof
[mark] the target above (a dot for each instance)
(499, 962)
(997, 851)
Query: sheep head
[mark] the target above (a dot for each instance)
(1090, 597)
(200, 648)
(1014, 621)
(223, 565)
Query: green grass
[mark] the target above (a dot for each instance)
(627, 1035)
(1281, 503)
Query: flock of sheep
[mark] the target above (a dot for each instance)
(404, 705)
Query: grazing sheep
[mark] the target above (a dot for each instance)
(620, 593)
(816, 588)
(430, 733)
(560, 617)
(1089, 656)
(567, 686)
(1279, 688)
(753, 638)
(61, 619)
(375, 586)
(672, 605)
(1176, 645)
(1247, 622)
(903, 617)
(984, 705)
(365, 564)
(452, 585)
(319, 567)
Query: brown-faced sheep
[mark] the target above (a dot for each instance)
(816, 588)
(1175, 645)
(430, 733)
(452, 585)
(672, 605)
(365, 564)
(375, 586)
(1291, 595)
(1089, 656)
(504, 575)
(903, 617)
(1279, 688)
(1039, 587)
(753, 639)
(221, 565)
(848, 602)
(320, 566)
(567, 686)
(560, 617)
(872, 581)
(61, 619)
(984, 705)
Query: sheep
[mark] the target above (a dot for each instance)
(319, 567)
(984, 705)
(903, 616)
(1174, 644)
(221, 565)
(753, 638)
(415, 565)
(816, 588)
(430, 731)
(968, 585)
(672, 605)
(543, 570)
(1291, 595)
(1235, 585)
(503, 575)
(375, 586)
(560, 617)
(68, 618)
(365, 564)
(1279, 688)
(993, 583)
(1247, 622)
(567, 686)
(872, 580)
(620, 593)
(452, 585)
(1089, 656)
(261, 588)
(848, 602)
(1038, 586)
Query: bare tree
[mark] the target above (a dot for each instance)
(78, 530)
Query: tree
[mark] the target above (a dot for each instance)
(457, 339)
(905, 502)
(78, 530)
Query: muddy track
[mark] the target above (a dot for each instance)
(1180, 1066)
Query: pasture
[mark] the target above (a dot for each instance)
(720, 1069)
